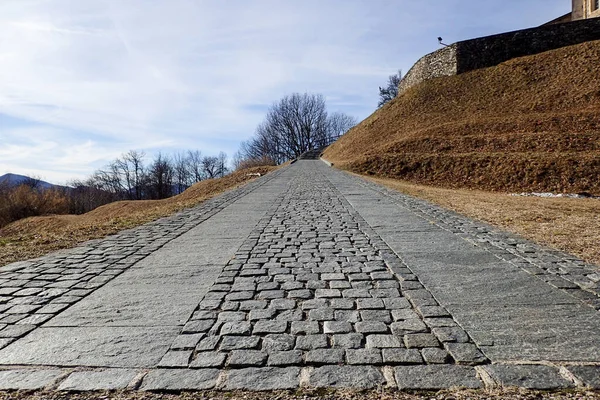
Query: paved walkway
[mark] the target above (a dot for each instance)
(306, 277)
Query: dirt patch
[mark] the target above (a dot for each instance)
(571, 225)
(529, 124)
(317, 394)
(35, 236)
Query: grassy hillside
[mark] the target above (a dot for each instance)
(32, 237)
(529, 124)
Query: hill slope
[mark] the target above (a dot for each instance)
(529, 124)
(15, 180)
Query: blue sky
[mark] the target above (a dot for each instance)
(83, 81)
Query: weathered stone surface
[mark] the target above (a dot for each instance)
(434, 377)
(358, 377)
(337, 327)
(265, 326)
(348, 341)
(180, 379)
(325, 356)
(176, 358)
(408, 326)
(434, 355)
(363, 356)
(465, 353)
(280, 342)
(310, 342)
(402, 356)
(186, 341)
(267, 378)
(25, 379)
(110, 379)
(282, 358)
(115, 347)
(420, 340)
(528, 376)
(238, 342)
(371, 327)
(305, 327)
(383, 341)
(451, 334)
(589, 375)
(208, 359)
(246, 358)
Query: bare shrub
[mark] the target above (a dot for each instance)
(25, 201)
(255, 162)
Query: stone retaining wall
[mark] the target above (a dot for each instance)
(489, 51)
(434, 65)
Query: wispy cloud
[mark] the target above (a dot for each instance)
(83, 81)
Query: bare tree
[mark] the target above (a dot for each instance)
(390, 91)
(238, 159)
(160, 177)
(181, 172)
(136, 159)
(222, 169)
(210, 166)
(109, 179)
(339, 123)
(294, 125)
(194, 161)
(86, 195)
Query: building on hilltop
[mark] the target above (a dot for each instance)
(581, 9)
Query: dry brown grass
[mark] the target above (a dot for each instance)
(35, 236)
(571, 225)
(529, 124)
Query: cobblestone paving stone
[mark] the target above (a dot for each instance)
(34, 291)
(559, 269)
(312, 286)
(314, 297)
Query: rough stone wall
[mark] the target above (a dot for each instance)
(434, 65)
(493, 50)
(489, 51)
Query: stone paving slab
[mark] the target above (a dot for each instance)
(308, 277)
(434, 377)
(110, 379)
(586, 375)
(122, 347)
(25, 379)
(415, 377)
(528, 376)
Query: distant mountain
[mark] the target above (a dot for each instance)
(16, 180)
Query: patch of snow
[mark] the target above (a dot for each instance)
(548, 194)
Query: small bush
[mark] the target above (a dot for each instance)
(24, 201)
(256, 162)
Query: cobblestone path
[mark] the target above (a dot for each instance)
(308, 277)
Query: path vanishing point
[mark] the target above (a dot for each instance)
(306, 277)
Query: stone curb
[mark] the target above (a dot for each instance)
(326, 162)
(406, 377)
